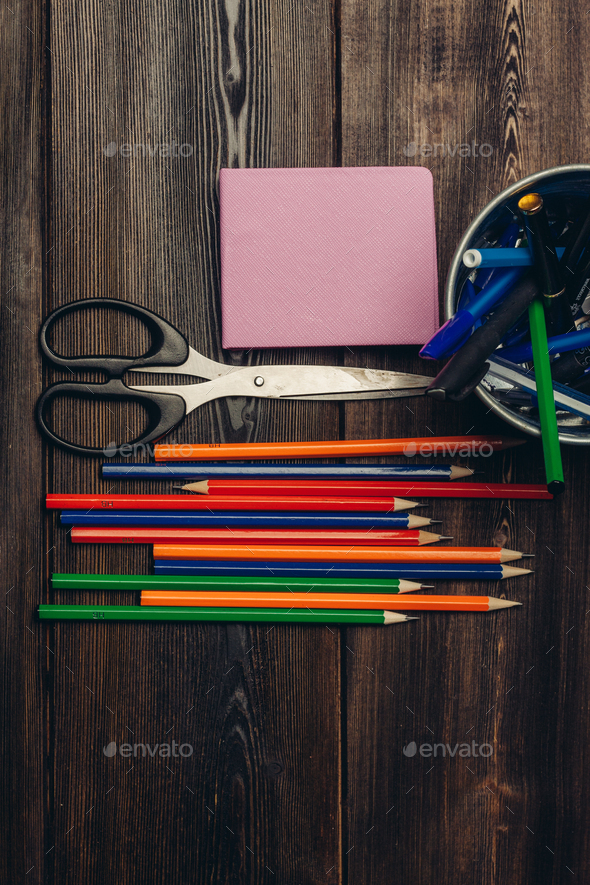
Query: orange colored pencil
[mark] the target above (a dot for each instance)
(298, 553)
(428, 445)
(324, 600)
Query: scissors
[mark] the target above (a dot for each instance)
(169, 353)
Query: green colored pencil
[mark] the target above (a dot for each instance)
(546, 401)
(217, 582)
(172, 613)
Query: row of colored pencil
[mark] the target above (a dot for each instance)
(322, 548)
(305, 543)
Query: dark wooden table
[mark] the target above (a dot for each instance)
(297, 773)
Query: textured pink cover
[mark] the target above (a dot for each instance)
(327, 257)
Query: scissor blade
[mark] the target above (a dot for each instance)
(366, 394)
(298, 382)
(333, 382)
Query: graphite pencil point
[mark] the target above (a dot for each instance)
(495, 603)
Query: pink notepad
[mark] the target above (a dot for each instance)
(327, 257)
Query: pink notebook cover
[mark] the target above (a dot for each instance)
(327, 257)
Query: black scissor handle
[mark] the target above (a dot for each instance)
(168, 347)
(165, 411)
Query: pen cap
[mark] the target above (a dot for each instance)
(449, 337)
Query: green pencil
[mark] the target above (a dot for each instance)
(216, 582)
(172, 613)
(546, 401)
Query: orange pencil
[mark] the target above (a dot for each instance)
(428, 445)
(297, 553)
(324, 600)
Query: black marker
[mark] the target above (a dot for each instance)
(546, 266)
(467, 367)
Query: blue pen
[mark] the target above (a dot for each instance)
(558, 344)
(507, 238)
(484, 258)
(468, 293)
(454, 330)
(517, 333)
(246, 518)
(406, 570)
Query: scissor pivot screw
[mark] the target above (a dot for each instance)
(259, 381)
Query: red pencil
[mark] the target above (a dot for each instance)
(225, 502)
(226, 535)
(366, 488)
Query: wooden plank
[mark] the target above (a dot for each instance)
(22, 540)
(258, 800)
(516, 681)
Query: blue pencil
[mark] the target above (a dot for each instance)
(316, 519)
(206, 470)
(410, 571)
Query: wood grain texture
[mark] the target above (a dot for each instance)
(22, 542)
(516, 682)
(240, 84)
(287, 726)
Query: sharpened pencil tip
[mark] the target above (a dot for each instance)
(510, 571)
(420, 505)
(445, 538)
(495, 603)
(527, 555)
(396, 617)
(427, 586)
